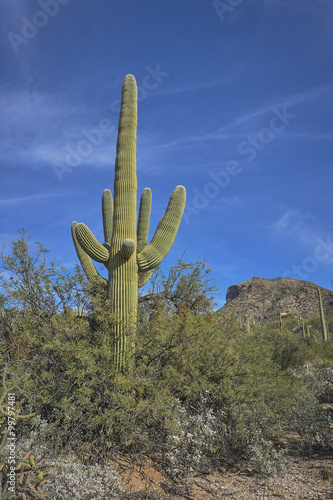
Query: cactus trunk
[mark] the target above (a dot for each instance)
(123, 270)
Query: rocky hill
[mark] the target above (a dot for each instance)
(262, 298)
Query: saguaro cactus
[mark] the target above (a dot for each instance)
(125, 252)
(322, 317)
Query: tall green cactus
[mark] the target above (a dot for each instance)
(322, 317)
(126, 254)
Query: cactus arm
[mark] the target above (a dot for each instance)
(93, 276)
(107, 210)
(90, 244)
(165, 233)
(144, 219)
(143, 231)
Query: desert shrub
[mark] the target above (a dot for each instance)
(319, 378)
(187, 286)
(201, 391)
(178, 403)
(75, 480)
(191, 439)
(20, 478)
(311, 414)
(313, 424)
(288, 350)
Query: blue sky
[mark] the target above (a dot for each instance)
(235, 103)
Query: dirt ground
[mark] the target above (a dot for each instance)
(302, 478)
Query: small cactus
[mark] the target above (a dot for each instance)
(308, 332)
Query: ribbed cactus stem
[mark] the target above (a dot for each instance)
(107, 211)
(144, 219)
(322, 317)
(308, 332)
(123, 269)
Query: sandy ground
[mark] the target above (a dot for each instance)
(302, 478)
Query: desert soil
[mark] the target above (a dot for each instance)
(301, 478)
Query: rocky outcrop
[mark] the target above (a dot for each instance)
(262, 298)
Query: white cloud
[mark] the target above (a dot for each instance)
(20, 109)
(284, 224)
(38, 127)
(22, 200)
(289, 100)
(298, 226)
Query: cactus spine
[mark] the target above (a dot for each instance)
(125, 253)
(322, 317)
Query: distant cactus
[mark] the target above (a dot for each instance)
(322, 317)
(248, 325)
(125, 253)
(308, 331)
(315, 339)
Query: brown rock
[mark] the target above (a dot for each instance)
(262, 298)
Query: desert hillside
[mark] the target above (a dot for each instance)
(262, 298)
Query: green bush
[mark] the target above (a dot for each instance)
(202, 392)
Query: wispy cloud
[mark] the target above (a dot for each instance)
(310, 136)
(301, 227)
(37, 127)
(254, 118)
(285, 223)
(23, 200)
(201, 85)
(288, 100)
(19, 108)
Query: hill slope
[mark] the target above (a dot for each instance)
(262, 298)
